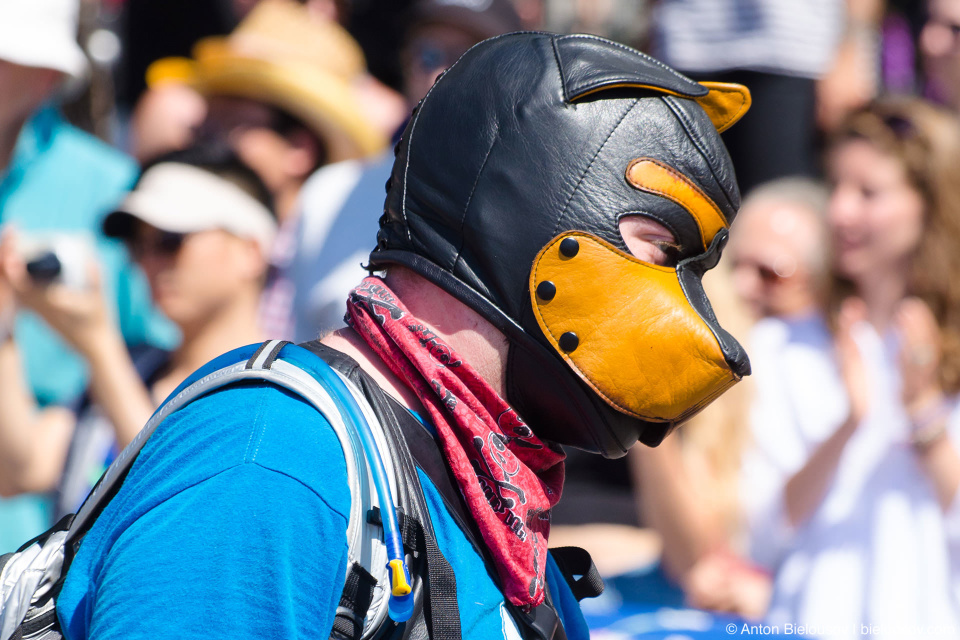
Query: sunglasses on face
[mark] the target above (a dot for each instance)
(162, 244)
(429, 55)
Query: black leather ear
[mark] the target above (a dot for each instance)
(589, 64)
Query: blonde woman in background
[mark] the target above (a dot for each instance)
(855, 470)
(690, 487)
(688, 491)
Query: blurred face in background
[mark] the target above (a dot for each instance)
(166, 118)
(940, 46)
(431, 49)
(197, 275)
(283, 156)
(876, 216)
(776, 258)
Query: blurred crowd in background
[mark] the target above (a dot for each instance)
(181, 177)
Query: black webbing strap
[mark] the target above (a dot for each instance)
(62, 525)
(354, 603)
(411, 531)
(441, 612)
(541, 622)
(256, 354)
(274, 353)
(573, 562)
(275, 346)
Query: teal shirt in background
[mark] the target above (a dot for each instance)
(64, 180)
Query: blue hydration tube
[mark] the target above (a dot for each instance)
(400, 605)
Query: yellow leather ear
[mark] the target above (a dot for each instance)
(725, 104)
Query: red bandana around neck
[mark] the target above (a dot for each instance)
(509, 478)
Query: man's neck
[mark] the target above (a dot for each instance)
(473, 338)
(349, 342)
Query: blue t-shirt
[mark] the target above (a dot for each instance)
(232, 523)
(61, 179)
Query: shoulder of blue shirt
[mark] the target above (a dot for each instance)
(261, 428)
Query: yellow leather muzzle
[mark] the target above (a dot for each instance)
(627, 328)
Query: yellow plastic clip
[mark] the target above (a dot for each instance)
(400, 585)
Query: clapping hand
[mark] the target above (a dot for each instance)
(919, 355)
(852, 369)
(721, 581)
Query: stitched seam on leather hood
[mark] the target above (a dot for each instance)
(473, 189)
(566, 205)
(563, 82)
(632, 51)
(698, 145)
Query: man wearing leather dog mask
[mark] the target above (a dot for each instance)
(554, 203)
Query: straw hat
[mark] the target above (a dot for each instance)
(42, 33)
(280, 55)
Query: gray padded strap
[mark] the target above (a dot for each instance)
(282, 374)
(364, 539)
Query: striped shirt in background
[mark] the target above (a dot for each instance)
(784, 37)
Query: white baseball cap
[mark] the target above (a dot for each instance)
(185, 199)
(42, 33)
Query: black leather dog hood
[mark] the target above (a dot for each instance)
(528, 135)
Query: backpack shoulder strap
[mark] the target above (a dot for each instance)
(367, 556)
(440, 614)
(48, 557)
(542, 622)
(204, 381)
(364, 598)
(573, 562)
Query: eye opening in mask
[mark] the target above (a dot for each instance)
(650, 240)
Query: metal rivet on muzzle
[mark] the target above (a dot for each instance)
(546, 290)
(569, 341)
(569, 247)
